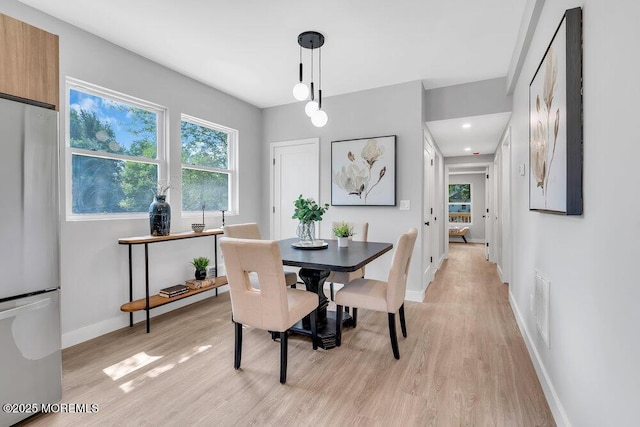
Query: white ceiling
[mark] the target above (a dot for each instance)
(482, 137)
(249, 48)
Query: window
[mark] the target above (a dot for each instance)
(208, 165)
(460, 203)
(115, 152)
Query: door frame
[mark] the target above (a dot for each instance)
(488, 189)
(272, 170)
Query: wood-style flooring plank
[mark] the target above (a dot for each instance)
(464, 363)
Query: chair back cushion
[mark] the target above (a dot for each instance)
(249, 230)
(397, 282)
(264, 308)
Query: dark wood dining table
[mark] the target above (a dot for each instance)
(315, 266)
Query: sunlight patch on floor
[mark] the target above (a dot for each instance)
(129, 365)
(157, 371)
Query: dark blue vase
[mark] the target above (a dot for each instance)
(160, 216)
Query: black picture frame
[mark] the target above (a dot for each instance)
(555, 123)
(363, 171)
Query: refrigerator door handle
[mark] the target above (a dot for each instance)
(12, 312)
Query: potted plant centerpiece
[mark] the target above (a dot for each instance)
(343, 231)
(307, 212)
(201, 264)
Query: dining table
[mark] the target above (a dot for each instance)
(316, 262)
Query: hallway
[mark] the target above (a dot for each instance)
(481, 360)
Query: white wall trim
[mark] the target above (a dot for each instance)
(95, 330)
(415, 296)
(559, 414)
(500, 274)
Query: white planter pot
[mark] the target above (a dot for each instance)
(343, 242)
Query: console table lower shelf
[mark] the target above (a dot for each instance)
(157, 300)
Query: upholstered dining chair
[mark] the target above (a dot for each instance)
(381, 296)
(273, 307)
(361, 230)
(250, 230)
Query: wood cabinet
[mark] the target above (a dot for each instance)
(29, 62)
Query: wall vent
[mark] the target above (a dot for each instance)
(542, 307)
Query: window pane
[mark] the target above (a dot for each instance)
(111, 186)
(202, 187)
(101, 124)
(203, 146)
(459, 193)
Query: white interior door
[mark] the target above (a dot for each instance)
(488, 224)
(295, 170)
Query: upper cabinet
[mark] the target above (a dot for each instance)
(28, 62)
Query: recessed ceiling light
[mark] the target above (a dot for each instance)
(466, 125)
(467, 149)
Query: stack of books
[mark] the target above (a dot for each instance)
(173, 291)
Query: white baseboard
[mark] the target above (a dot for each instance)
(95, 330)
(416, 296)
(500, 273)
(549, 390)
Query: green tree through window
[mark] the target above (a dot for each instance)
(114, 154)
(206, 172)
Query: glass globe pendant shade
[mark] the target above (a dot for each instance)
(310, 108)
(319, 118)
(300, 91)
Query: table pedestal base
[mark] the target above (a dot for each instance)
(326, 331)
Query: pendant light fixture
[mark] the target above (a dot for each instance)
(311, 40)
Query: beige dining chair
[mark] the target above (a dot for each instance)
(250, 230)
(362, 231)
(381, 296)
(273, 307)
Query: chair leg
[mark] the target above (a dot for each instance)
(338, 325)
(283, 357)
(331, 291)
(403, 325)
(393, 336)
(314, 329)
(238, 347)
(354, 316)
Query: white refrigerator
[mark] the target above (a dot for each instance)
(30, 338)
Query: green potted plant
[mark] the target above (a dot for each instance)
(343, 231)
(307, 211)
(201, 264)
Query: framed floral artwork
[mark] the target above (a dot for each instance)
(363, 172)
(555, 125)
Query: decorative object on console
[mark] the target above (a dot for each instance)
(363, 171)
(198, 228)
(200, 265)
(311, 40)
(307, 212)
(160, 212)
(555, 130)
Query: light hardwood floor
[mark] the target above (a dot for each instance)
(464, 362)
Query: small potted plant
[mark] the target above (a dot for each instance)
(201, 264)
(343, 231)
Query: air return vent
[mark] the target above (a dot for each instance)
(542, 307)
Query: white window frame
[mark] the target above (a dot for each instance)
(161, 149)
(232, 165)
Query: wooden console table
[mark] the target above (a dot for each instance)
(153, 301)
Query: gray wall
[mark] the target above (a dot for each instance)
(476, 232)
(590, 371)
(391, 110)
(466, 100)
(93, 265)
